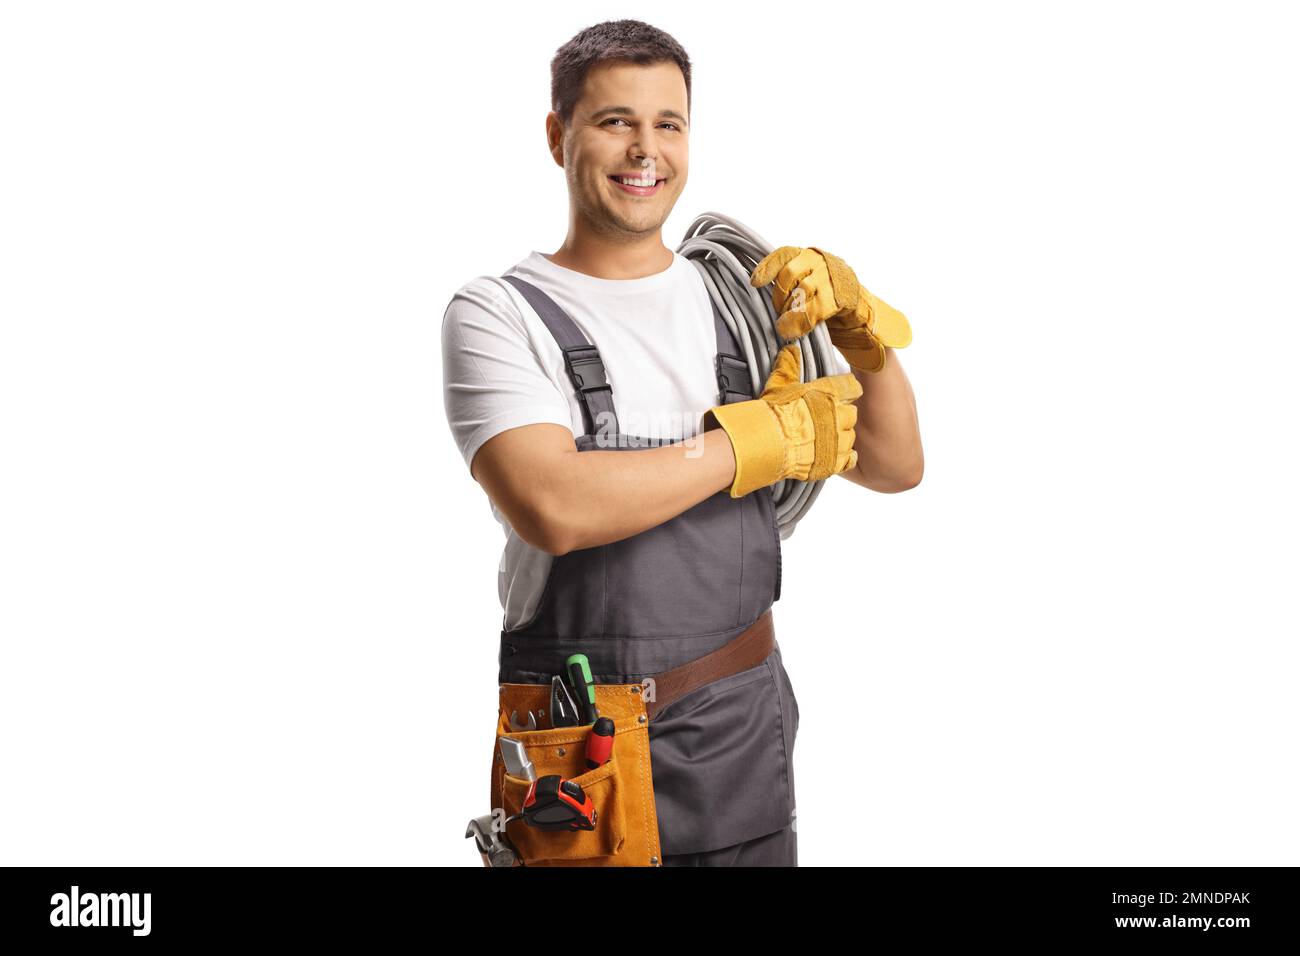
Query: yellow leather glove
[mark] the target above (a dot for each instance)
(794, 429)
(862, 335)
(810, 286)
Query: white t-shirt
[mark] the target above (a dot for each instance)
(502, 368)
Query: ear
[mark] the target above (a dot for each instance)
(555, 137)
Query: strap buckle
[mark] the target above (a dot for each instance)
(733, 379)
(586, 368)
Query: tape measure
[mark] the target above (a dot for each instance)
(554, 803)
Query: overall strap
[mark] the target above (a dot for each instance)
(581, 358)
(734, 384)
(587, 371)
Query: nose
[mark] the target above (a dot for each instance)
(643, 151)
(641, 157)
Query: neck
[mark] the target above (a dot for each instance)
(607, 258)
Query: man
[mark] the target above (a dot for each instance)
(582, 391)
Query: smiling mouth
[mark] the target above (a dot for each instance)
(637, 190)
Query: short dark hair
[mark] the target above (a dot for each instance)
(629, 40)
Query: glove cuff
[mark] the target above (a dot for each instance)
(862, 350)
(758, 442)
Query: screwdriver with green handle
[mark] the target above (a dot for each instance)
(584, 688)
(600, 743)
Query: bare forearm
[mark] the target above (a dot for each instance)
(887, 434)
(596, 497)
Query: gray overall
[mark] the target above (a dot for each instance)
(721, 756)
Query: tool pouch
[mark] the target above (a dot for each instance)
(627, 829)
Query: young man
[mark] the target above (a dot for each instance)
(634, 491)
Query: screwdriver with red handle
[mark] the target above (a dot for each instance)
(600, 743)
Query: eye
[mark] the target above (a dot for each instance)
(616, 119)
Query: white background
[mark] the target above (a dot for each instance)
(249, 606)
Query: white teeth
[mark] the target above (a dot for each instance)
(635, 182)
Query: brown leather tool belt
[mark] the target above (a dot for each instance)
(626, 830)
(747, 649)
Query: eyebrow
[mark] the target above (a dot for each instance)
(628, 111)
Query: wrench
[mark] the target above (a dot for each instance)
(516, 724)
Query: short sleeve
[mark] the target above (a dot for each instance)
(492, 377)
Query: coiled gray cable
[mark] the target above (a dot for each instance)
(726, 252)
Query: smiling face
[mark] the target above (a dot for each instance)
(627, 114)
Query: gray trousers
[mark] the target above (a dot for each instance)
(775, 849)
